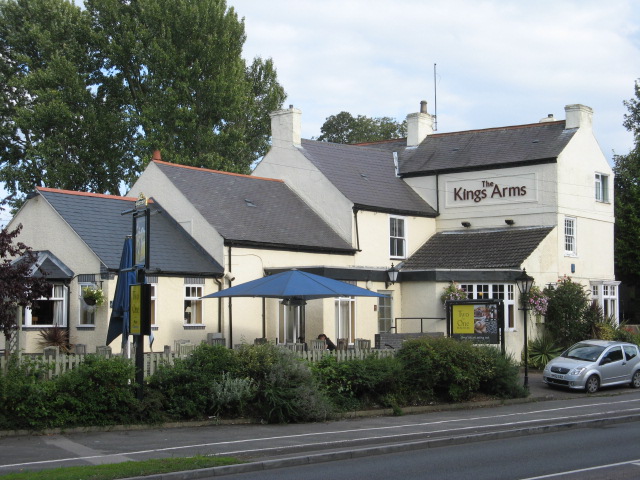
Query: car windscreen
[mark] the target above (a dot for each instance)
(584, 351)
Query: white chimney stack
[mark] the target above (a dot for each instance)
(286, 126)
(419, 125)
(578, 116)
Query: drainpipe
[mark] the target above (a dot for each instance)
(355, 219)
(438, 194)
(230, 305)
(219, 306)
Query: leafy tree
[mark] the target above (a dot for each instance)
(191, 94)
(345, 128)
(86, 94)
(627, 201)
(18, 287)
(62, 121)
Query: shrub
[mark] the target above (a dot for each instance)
(359, 383)
(440, 369)
(286, 390)
(186, 388)
(100, 391)
(230, 395)
(500, 375)
(567, 320)
(541, 350)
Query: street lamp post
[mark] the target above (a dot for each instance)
(524, 283)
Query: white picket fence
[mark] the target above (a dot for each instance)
(59, 363)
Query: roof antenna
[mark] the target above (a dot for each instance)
(435, 100)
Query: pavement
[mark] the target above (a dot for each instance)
(539, 392)
(358, 434)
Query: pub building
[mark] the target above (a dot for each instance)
(404, 218)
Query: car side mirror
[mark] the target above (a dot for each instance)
(605, 361)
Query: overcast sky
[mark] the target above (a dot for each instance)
(499, 62)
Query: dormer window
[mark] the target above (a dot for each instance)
(602, 187)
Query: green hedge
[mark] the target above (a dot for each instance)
(263, 382)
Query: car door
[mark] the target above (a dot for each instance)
(613, 366)
(633, 360)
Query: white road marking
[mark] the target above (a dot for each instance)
(590, 469)
(94, 458)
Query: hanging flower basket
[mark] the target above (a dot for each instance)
(93, 296)
(453, 291)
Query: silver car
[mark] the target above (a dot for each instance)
(592, 364)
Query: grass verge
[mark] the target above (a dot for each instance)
(124, 470)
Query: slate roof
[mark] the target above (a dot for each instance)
(98, 221)
(477, 249)
(248, 210)
(487, 148)
(366, 176)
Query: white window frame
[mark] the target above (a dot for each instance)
(605, 293)
(291, 323)
(602, 187)
(83, 308)
(27, 319)
(498, 291)
(345, 327)
(570, 236)
(395, 239)
(193, 305)
(385, 305)
(154, 305)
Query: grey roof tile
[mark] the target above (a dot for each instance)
(477, 249)
(488, 148)
(98, 221)
(366, 176)
(253, 210)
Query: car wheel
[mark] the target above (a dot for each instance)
(635, 380)
(593, 384)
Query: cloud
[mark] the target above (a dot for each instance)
(498, 62)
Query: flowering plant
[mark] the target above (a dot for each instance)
(93, 296)
(453, 291)
(538, 301)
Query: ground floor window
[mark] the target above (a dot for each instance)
(48, 312)
(606, 295)
(153, 281)
(192, 304)
(346, 318)
(495, 291)
(385, 314)
(291, 323)
(87, 314)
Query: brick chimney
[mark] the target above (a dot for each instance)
(286, 127)
(578, 116)
(419, 125)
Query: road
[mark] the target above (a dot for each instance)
(595, 453)
(285, 444)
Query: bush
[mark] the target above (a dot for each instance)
(500, 375)
(439, 369)
(100, 391)
(186, 389)
(357, 384)
(286, 390)
(541, 350)
(568, 318)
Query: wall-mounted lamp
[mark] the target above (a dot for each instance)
(466, 224)
(393, 276)
(509, 221)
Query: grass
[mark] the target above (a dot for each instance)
(124, 470)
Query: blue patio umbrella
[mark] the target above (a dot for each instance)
(295, 285)
(119, 322)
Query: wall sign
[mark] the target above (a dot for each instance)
(491, 190)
